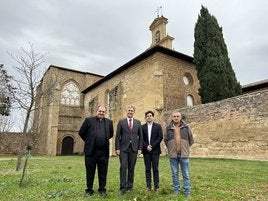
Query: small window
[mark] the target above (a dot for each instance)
(157, 36)
(190, 100)
(187, 79)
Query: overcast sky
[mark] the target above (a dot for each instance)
(100, 36)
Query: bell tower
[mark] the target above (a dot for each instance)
(159, 35)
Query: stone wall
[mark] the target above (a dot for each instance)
(10, 143)
(232, 128)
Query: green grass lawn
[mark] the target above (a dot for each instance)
(63, 178)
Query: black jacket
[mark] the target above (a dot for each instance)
(88, 133)
(156, 138)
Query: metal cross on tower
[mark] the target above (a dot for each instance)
(159, 10)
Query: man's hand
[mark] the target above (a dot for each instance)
(117, 152)
(149, 148)
(139, 152)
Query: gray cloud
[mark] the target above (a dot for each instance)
(100, 36)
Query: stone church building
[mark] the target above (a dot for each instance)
(159, 79)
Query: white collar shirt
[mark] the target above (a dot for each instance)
(149, 132)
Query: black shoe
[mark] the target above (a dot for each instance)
(156, 189)
(148, 189)
(103, 194)
(122, 191)
(129, 189)
(88, 194)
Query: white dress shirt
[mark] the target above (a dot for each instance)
(149, 132)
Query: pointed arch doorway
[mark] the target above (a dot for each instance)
(67, 146)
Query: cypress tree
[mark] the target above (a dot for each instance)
(214, 70)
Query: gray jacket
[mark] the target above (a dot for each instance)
(186, 140)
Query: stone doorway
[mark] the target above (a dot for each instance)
(67, 146)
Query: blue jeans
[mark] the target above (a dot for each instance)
(184, 164)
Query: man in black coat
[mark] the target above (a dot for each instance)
(128, 144)
(96, 132)
(152, 137)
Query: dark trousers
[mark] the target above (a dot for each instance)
(99, 159)
(127, 165)
(151, 161)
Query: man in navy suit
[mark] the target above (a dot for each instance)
(152, 137)
(96, 132)
(128, 144)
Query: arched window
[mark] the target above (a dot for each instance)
(187, 79)
(190, 100)
(70, 94)
(157, 36)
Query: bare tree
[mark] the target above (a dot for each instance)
(28, 78)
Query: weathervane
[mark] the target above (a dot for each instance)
(159, 10)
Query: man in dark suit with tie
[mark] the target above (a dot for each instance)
(96, 132)
(128, 144)
(152, 137)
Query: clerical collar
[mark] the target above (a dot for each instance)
(98, 119)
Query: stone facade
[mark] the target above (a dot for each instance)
(232, 128)
(59, 109)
